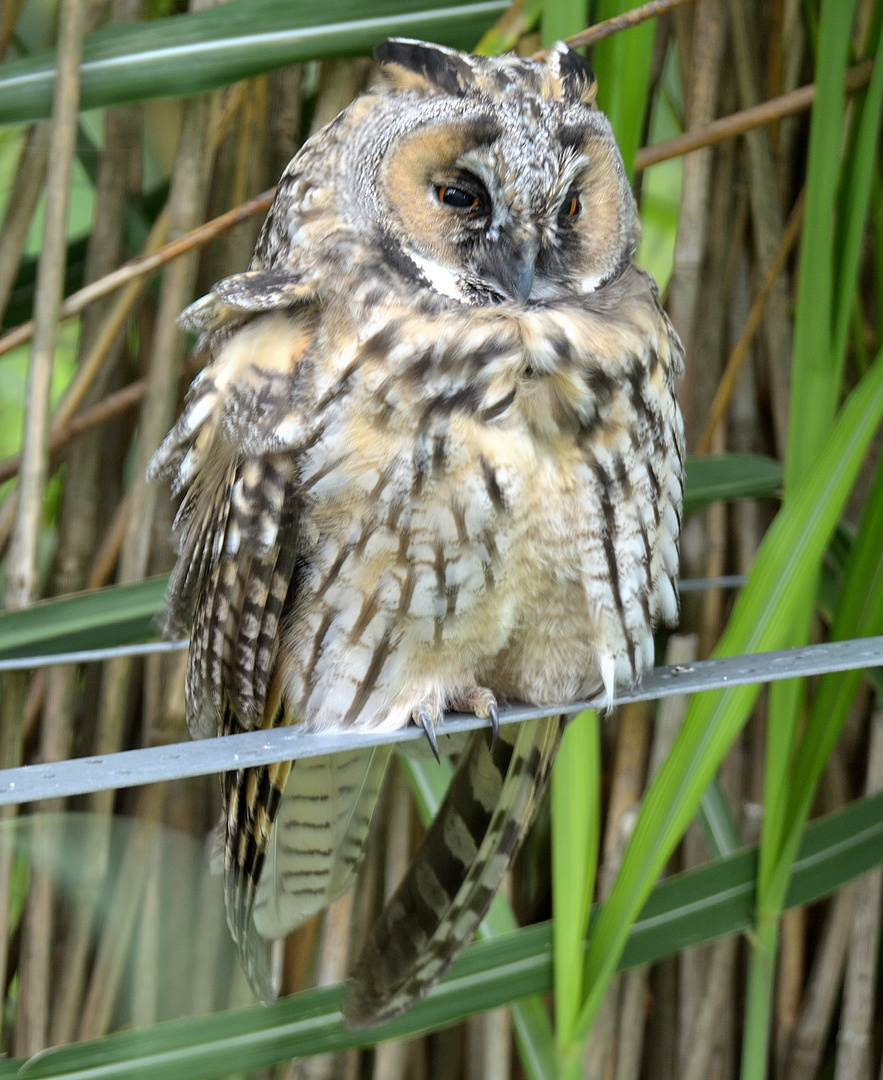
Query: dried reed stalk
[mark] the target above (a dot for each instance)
(21, 572)
(627, 785)
(855, 1033)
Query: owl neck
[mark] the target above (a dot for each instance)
(558, 365)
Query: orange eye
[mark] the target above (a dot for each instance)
(574, 207)
(457, 197)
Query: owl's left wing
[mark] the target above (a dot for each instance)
(490, 804)
(294, 832)
(233, 457)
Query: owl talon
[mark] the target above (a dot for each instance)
(494, 717)
(422, 717)
(481, 703)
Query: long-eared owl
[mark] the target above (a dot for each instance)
(434, 462)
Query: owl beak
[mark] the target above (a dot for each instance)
(524, 278)
(509, 262)
(515, 270)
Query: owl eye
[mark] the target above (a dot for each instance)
(570, 208)
(457, 198)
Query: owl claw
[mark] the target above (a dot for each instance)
(494, 717)
(422, 717)
(481, 702)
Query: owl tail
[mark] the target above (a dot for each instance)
(449, 886)
(307, 851)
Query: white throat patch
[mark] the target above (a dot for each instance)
(443, 279)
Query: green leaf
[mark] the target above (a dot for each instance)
(716, 819)
(855, 197)
(189, 54)
(829, 260)
(730, 476)
(562, 19)
(119, 615)
(815, 370)
(859, 613)
(622, 64)
(576, 812)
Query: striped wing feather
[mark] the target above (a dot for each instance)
(489, 807)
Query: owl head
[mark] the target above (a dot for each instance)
(473, 180)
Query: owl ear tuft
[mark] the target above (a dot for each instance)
(577, 82)
(417, 65)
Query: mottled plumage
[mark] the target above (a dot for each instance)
(435, 462)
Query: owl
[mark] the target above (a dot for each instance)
(435, 461)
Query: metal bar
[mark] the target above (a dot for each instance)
(111, 652)
(725, 581)
(85, 656)
(157, 763)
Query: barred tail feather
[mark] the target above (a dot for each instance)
(445, 894)
(253, 797)
(295, 840)
(318, 842)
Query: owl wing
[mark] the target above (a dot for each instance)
(294, 832)
(489, 806)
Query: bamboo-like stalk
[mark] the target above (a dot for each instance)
(632, 1022)
(690, 245)
(30, 176)
(21, 574)
(740, 350)
(93, 370)
(627, 785)
(855, 1033)
(123, 912)
(77, 530)
(823, 988)
(490, 1046)
(706, 1023)
(21, 569)
(284, 105)
(392, 1059)
(766, 211)
(724, 261)
(790, 982)
(186, 207)
(692, 964)
(332, 966)
(681, 649)
(149, 931)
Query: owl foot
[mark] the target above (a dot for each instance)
(480, 701)
(422, 715)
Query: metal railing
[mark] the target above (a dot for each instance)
(149, 765)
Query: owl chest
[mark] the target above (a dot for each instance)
(464, 532)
